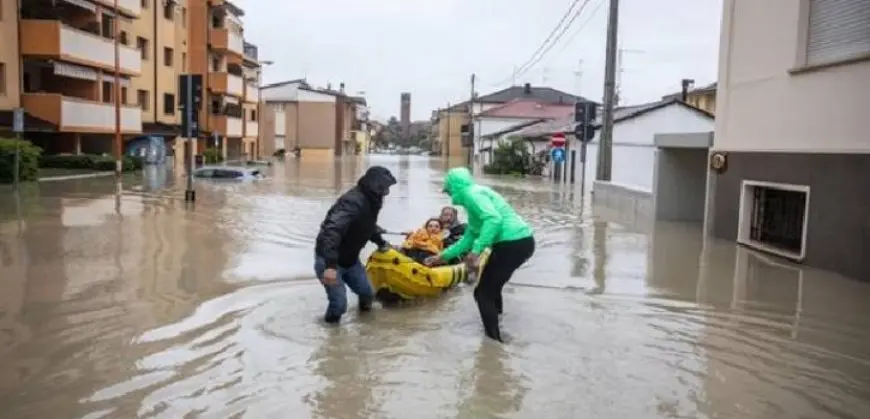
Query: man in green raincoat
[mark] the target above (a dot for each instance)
(493, 224)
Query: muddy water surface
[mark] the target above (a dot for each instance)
(134, 306)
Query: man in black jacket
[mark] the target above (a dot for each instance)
(350, 223)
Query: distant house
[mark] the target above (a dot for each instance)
(513, 115)
(703, 98)
(319, 121)
(447, 121)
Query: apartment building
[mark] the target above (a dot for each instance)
(320, 122)
(160, 37)
(791, 155)
(63, 73)
(217, 51)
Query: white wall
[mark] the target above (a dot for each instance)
(762, 107)
(486, 126)
(280, 123)
(634, 153)
(283, 93)
(309, 96)
(681, 184)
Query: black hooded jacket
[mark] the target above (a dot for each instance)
(352, 220)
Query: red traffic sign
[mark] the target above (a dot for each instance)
(558, 140)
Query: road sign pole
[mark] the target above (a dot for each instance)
(189, 194)
(18, 127)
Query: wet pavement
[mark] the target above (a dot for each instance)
(123, 306)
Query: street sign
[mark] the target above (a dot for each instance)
(558, 140)
(557, 154)
(18, 120)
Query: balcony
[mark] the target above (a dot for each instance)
(227, 126)
(226, 83)
(222, 39)
(72, 114)
(51, 39)
(252, 94)
(129, 8)
(252, 129)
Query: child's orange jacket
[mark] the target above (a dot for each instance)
(422, 240)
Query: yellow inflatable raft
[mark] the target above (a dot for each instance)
(396, 277)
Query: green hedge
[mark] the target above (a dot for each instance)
(29, 162)
(212, 156)
(89, 162)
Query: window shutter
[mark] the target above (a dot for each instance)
(838, 30)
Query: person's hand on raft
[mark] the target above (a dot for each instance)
(472, 260)
(433, 260)
(330, 277)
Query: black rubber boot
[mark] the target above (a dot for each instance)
(331, 319)
(365, 304)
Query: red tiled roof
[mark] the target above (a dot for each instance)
(529, 108)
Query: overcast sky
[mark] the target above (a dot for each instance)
(430, 47)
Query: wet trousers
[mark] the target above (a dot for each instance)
(355, 278)
(505, 258)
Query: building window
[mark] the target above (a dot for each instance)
(142, 46)
(253, 115)
(169, 10)
(773, 218)
(837, 30)
(215, 64)
(168, 104)
(124, 40)
(183, 17)
(123, 95)
(144, 4)
(167, 56)
(142, 99)
(183, 62)
(107, 92)
(3, 79)
(107, 27)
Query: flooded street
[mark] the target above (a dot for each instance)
(133, 306)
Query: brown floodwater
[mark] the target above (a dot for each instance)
(135, 306)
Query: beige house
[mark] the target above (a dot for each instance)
(790, 162)
(320, 122)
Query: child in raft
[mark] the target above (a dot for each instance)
(425, 242)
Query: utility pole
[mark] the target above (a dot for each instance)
(447, 137)
(605, 147)
(471, 130)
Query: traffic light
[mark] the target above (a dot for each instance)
(584, 120)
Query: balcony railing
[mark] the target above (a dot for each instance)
(252, 94)
(236, 43)
(53, 39)
(227, 126)
(131, 8)
(227, 84)
(81, 115)
(252, 129)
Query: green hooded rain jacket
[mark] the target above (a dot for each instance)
(490, 218)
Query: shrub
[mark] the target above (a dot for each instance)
(212, 156)
(28, 170)
(89, 162)
(279, 152)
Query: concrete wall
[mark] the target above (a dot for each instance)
(761, 106)
(680, 184)
(626, 200)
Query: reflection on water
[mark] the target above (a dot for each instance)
(135, 305)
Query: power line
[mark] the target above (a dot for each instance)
(558, 37)
(589, 18)
(559, 25)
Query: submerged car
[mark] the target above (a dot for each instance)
(228, 173)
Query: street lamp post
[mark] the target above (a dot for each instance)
(118, 142)
(260, 103)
